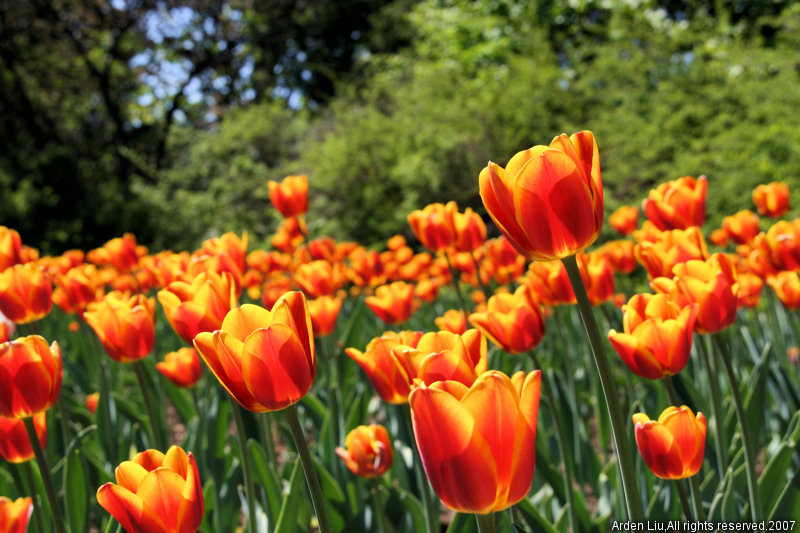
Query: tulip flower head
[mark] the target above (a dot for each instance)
(382, 368)
(772, 199)
(477, 443)
(452, 320)
(30, 376)
(156, 493)
(443, 356)
(434, 226)
(624, 219)
(92, 400)
(393, 303)
(324, 312)
(787, 287)
(677, 204)
(10, 248)
(125, 325)
(265, 359)
(548, 201)
(25, 293)
(182, 367)
(674, 445)
(513, 322)
(15, 514)
(15, 447)
(669, 249)
(368, 451)
(741, 227)
(290, 195)
(470, 230)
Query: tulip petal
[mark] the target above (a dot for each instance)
(242, 321)
(123, 505)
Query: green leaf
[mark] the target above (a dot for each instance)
(534, 517)
(269, 480)
(76, 495)
(774, 473)
(416, 511)
(290, 508)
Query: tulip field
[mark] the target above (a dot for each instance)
(500, 369)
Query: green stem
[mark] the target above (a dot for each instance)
(477, 264)
(246, 467)
(687, 511)
(431, 513)
(456, 286)
(621, 444)
(148, 402)
(44, 471)
(37, 499)
(749, 449)
(377, 501)
(697, 497)
(332, 382)
(486, 523)
(720, 442)
(569, 476)
(310, 472)
(671, 392)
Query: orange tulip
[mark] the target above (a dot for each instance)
(15, 514)
(548, 201)
(156, 493)
(290, 234)
(470, 231)
(434, 226)
(677, 204)
(742, 226)
(550, 283)
(453, 320)
(77, 288)
(25, 293)
(749, 293)
(598, 277)
(381, 366)
(781, 244)
(719, 237)
(318, 278)
(671, 247)
(477, 443)
(772, 200)
(674, 445)
(503, 262)
(200, 305)
(10, 248)
(290, 195)
(624, 219)
(368, 451)
(91, 402)
(657, 338)
(710, 284)
(620, 254)
(125, 325)
(265, 359)
(182, 367)
(122, 252)
(393, 303)
(367, 268)
(443, 356)
(15, 447)
(513, 322)
(787, 287)
(30, 376)
(324, 312)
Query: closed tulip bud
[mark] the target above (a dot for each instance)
(10, 248)
(513, 322)
(368, 451)
(30, 376)
(625, 219)
(477, 443)
(598, 277)
(91, 402)
(434, 226)
(657, 337)
(393, 303)
(198, 306)
(669, 249)
(772, 200)
(453, 320)
(25, 293)
(15, 514)
(156, 493)
(182, 367)
(382, 368)
(470, 230)
(548, 201)
(324, 312)
(124, 324)
(674, 445)
(677, 204)
(290, 195)
(15, 447)
(265, 359)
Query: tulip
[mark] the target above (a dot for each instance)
(787, 287)
(781, 244)
(434, 226)
(25, 293)
(368, 451)
(548, 201)
(290, 234)
(624, 219)
(198, 306)
(513, 322)
(772, 200)
(597, 276)
(156, 493)
(125, 325)
(620, 254)
(318, 278)
(749, 293)
(30, 376)
(10, 248)
(182, 367)
(477, 443)
(15, 514)
(265, 359)
(91, 402)
(77, 288)
(122, 252)
(7, 328)
(677, 204)
(657, 337)
(443, 356)
(231, 247)
(719, 237)
(15, 447)
(393, 303)
(367, 268)
(672, 446)
(382, 368)
(550, 283)
(289, 196)
(470, 231)
(453, 320)
(671, 248)
(324, 312)
(742, 226)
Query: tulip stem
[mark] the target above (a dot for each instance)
(720, 441)
(380, 515)
(148, 402)
(687, 511)
(621, 444)
(671, 392)
(477, 264)
(697, 497)
(424, 487)
(37, 499)
(456, 286)
(562, 444)
(486, 523)
(749, 450)
(310, 472)
(247, 470)
(44, 471)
